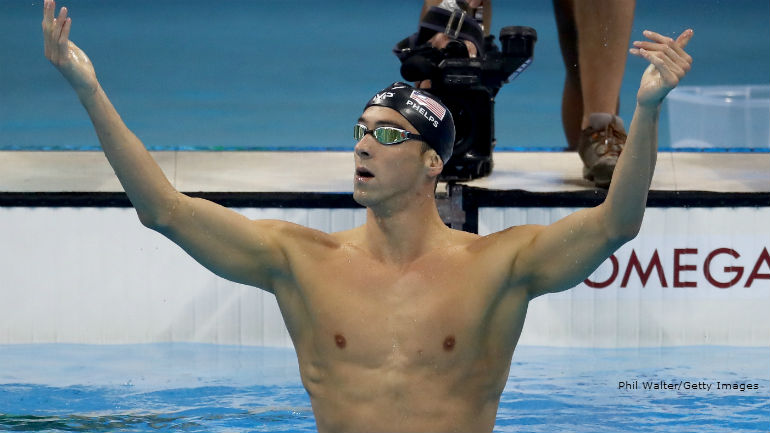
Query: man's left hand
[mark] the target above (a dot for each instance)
(668, 65)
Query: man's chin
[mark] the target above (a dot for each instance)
(364, 198)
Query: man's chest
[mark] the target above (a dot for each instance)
(439, 309)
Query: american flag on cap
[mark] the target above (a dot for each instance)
(431, 104)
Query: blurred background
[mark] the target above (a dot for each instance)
(295, 74)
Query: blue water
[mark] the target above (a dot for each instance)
(253, 74)
(213, 388)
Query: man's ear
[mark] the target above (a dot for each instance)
(433, 163)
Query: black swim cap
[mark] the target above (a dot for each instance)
(424, 111)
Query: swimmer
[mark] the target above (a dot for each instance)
(401, 324)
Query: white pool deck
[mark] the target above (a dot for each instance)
(198, 171)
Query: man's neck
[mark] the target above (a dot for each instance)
(399, 237)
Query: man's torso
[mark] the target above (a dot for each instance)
(422, 346)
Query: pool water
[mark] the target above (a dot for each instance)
(297, 75)
(215, 388)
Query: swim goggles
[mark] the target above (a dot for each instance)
(385, 134)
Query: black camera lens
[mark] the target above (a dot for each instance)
(417, 68)
(518, 41)
(456, 50)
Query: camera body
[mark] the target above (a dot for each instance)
(468, 86)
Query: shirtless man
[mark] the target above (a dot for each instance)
(401, 324)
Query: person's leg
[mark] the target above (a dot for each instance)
(603, 31)
(572, 97)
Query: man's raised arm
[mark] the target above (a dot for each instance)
(224, 241)
(560, 256)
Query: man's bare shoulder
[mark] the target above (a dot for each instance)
(348, 236)
(497, 252)
(512, 237)
(293, 235)
(460, 237)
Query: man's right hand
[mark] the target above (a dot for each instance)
(71, 61)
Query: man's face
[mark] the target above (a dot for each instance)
(384, 172)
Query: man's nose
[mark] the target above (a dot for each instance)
(363, 148)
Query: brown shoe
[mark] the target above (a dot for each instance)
(600, 146)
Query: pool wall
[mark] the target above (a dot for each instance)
(96, 275)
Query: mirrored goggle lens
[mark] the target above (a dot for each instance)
(386, 135)
(383, 134)
(359, 131)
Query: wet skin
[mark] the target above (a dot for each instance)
(419, 347)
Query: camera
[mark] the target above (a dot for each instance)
(466, 85)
